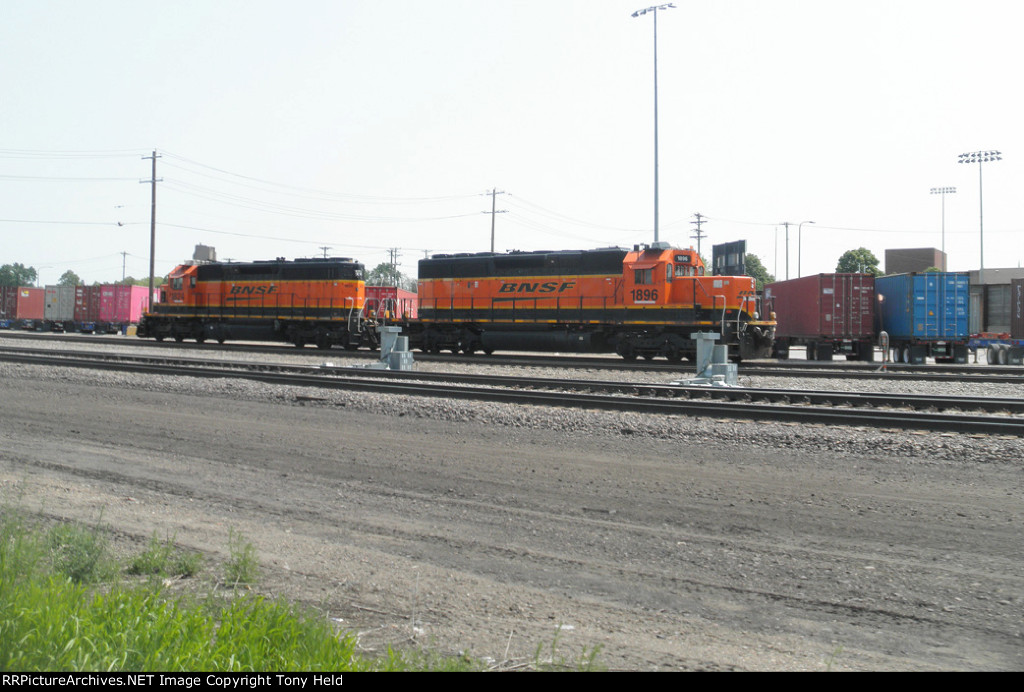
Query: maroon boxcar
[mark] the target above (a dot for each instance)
(8, 306)
(827, 313)
(87, 308)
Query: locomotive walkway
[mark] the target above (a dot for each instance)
(887, 411)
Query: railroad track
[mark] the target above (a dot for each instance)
(889, 411)
(766, 368)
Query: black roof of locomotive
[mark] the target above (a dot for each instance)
(538, 263)
(280, 269)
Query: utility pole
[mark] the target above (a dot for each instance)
(698, 234)
(393, 255)
(325, 248)
(152, 224)
(494, 201)
(787, 224)
(124, 259)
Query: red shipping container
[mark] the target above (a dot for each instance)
(87, 304)
(21, 303)
(829, 313)
(123, 304)
(398, 303)
(31, 303)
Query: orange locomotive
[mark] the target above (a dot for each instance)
(300, 301)
(645, 302)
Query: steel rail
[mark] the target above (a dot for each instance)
(741, 394)
(765, 368)
(887, 418)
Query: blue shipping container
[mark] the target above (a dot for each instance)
(923, 307)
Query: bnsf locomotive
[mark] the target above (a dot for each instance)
(645, 302)
(301, 301)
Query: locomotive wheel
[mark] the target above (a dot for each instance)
(179, 337)
(323, 342)
(299, 343)
(159, 337)
(489, 351)
(627, 351)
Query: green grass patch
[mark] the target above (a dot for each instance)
(164, 559)
(54, 617)
(243, 566)
(81, 553)
(62, 608)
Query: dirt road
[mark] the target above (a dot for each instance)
(408, 524)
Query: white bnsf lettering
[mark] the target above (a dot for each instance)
(529, 287)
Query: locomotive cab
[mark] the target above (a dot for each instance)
(180, 286)
(656, 275)
(645, 278)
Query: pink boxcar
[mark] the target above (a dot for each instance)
(123, 305)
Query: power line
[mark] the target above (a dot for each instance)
(60, 179)
(72, 223)
(68, 154)
(366, 198)
(295, 212)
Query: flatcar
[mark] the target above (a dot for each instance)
(297, 301)
(644, 302)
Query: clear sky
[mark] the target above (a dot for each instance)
(361, 125)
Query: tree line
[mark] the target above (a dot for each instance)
(18, 274)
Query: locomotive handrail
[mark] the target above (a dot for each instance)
(350, 299)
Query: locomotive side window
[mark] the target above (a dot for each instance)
(192, 282)
(668, 271)
(177, 284)
(643, 276)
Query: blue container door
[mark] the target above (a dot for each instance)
(940, 306)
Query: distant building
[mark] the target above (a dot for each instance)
(904, 261)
